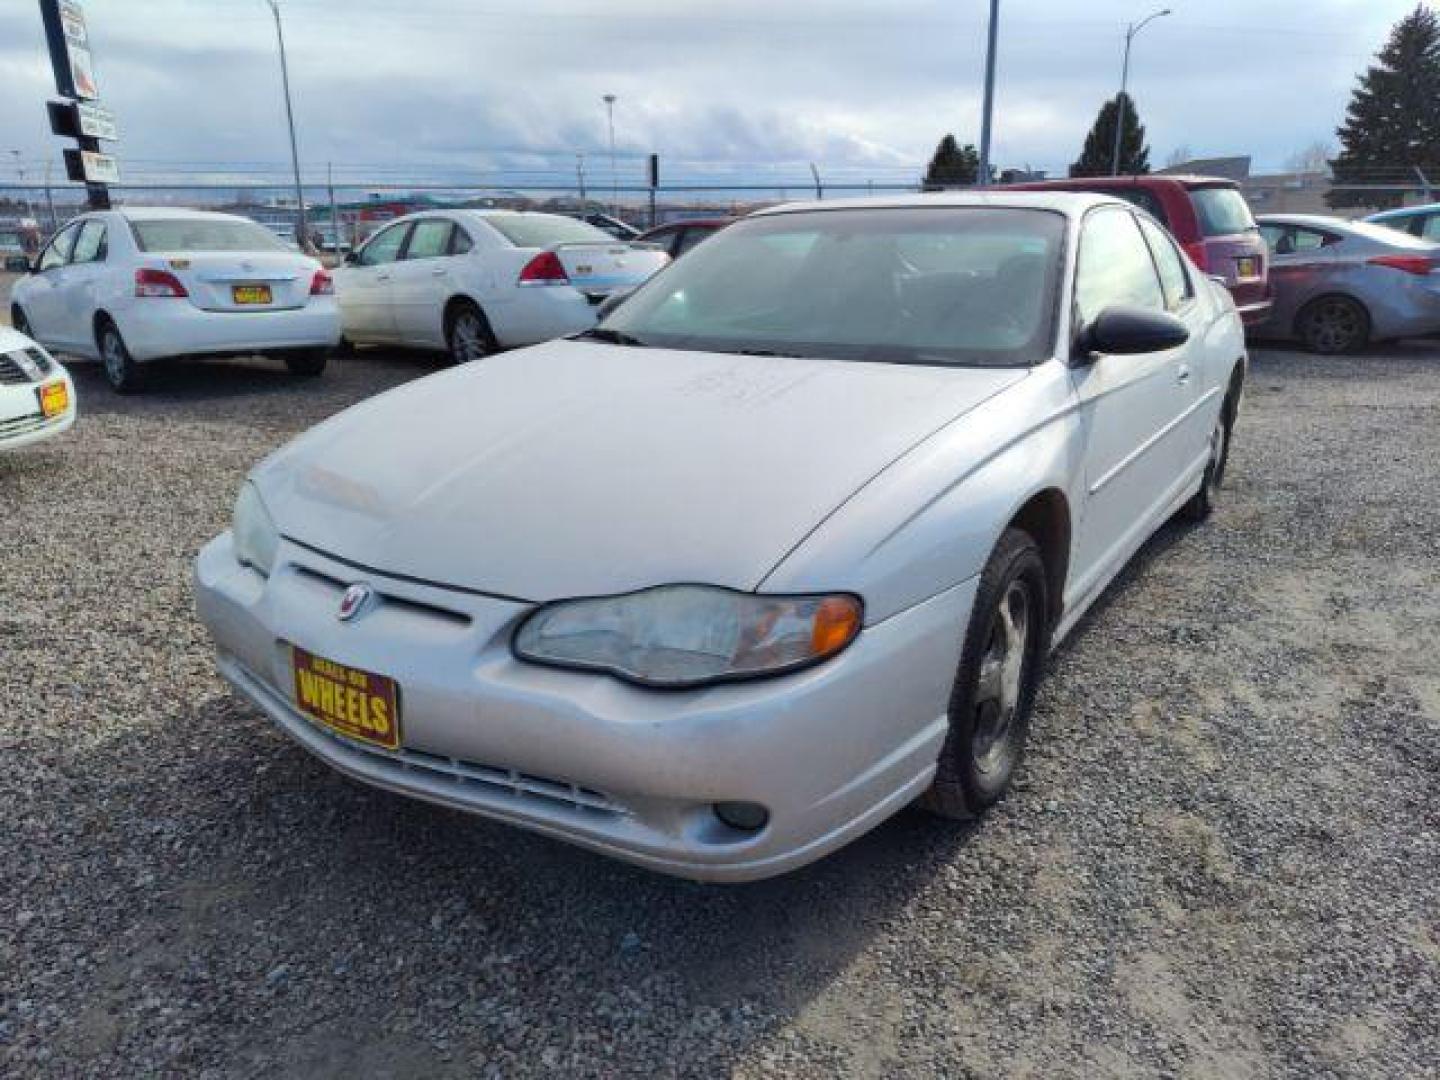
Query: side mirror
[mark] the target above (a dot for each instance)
(352, 258)
(611, 302)
(1130, 331)
(17, 264)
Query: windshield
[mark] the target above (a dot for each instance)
(204, 234)
(965, 286)
(1222, 211)
(10, 239)
(542, 230)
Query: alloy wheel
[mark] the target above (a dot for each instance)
(468, 339)
(1336, 326)
(113, 353)
(1002, 678)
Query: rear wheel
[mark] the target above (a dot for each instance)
(468, 335)
(121, 371)
(19, 323)
(1334, 324)
(995, 687)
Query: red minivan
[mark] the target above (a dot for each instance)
(1210, 219)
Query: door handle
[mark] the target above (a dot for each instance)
(382, 277)
(1183, 375)
(438, 271)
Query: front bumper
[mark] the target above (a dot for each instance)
(21, 419)
(629, 772)
(156, 328)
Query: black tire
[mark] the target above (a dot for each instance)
(19, 323)
(1202, 504)
(307, 364)
(991, 701)
(123, 374)
(1333, 325)
(468, 336)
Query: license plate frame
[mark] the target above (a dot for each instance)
(360, 705)
(252, 294)
(1247, 267)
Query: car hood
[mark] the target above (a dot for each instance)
(575, 469)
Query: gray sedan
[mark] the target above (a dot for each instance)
(1341, 284)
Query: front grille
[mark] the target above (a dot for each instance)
(22, 425)
(11, 372)
(43, 363)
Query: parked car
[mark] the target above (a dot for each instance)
(606, 223)
(474, 281)
(37, 398)
(727, 580)
(1421, 221)
(131, 286)
(18, 244)
(678, 237)
(1210, 219)
(1340, 285)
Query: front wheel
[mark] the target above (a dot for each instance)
(306, 364)
(994, 688)
(121, 371)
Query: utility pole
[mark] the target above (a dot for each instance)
(988, 109)
(819, 189)
(334, 218)
(609, 100)
(50, 197)
(1122, 100)
(24, 194)
(301, 233)
(580, 176)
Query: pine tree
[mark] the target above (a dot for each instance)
(953, 165)
(1098, 157)
(1393, 123)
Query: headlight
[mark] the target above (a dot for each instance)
(688, 635)
(256, 538)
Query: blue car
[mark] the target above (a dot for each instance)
(1421, 221)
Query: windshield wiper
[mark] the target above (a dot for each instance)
(611, 337)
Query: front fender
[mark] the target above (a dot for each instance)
(930, 521)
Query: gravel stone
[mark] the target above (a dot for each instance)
(1221, 858)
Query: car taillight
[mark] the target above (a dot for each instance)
(544, 269)
(322, 284)
(1410, 264)
(151, 282)
(1198, 255)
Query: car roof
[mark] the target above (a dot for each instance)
(1320, 221)
(1070, 203)
(1368, 230)
(175, 213)
(1405, 212)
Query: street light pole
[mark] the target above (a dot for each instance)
(988, 109)
(1130, 32)
(301, 234)
(614, 174)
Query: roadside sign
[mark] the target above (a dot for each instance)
(70, 48)
(80, 119)
(86, 166)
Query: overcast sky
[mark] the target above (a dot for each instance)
(863, 87)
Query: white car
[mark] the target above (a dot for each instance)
(775, 550)
(37, 399)
(474, 281)
(130, 286)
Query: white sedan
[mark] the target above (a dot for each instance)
(474, 281)
(37, 399)
(130, 286)
(776, 549)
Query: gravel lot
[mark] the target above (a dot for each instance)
(1223, 858)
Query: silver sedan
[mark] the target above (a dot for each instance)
(1342, 284)
(775, 550)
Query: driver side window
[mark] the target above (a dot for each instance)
(58, 252)
(384, 246)
(1115, 267)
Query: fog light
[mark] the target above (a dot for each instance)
(746, 816)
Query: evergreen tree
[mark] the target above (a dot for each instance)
(1098, 157)
(953, 165)
(1393, 123)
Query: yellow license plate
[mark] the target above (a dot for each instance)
(1248, 267)
(250, 294)
(54, 399)
(357, 704)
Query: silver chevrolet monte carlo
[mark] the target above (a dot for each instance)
(775, 550)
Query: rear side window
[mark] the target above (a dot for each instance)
(204, 234)
(542, 230)
(1173, 278)
(1115, 266)
(430, 240)
(1431, 231)
(1141, 197)
(1222, 211)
